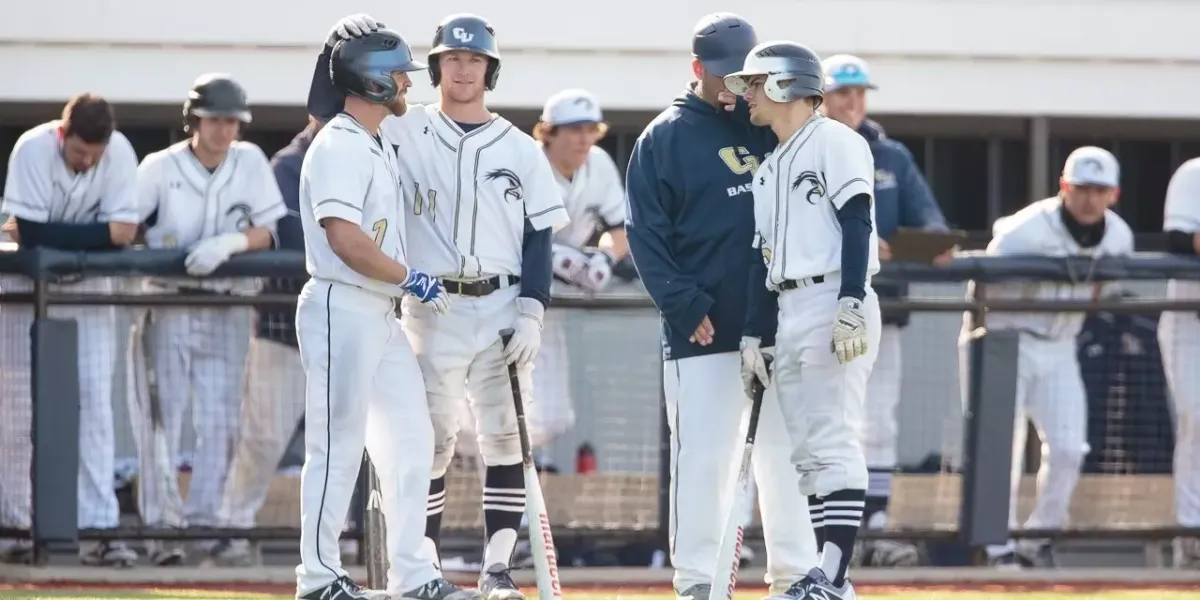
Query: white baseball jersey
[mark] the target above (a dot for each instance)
(594, 197)
(193, 204)
(1039, 229)
(351, 175)
(798, 190)
(469, 194)
(40, 187)
(1182, 213)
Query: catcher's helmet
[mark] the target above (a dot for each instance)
(793, 72)
(215, 95)
(363, 66)
(721, 41)
(466, 32)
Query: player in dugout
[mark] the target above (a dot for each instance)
(902, 199)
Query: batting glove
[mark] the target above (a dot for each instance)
(351, 27)
(598, 273)
(209, 253)
(428, 289)
(568, 263)
(527, 332)
(849, 331)
(754, 365)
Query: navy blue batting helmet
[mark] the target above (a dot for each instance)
(721, 41)
(363, 66)
(465, 32)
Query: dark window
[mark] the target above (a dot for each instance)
(271, 140)
(915, 145)
(1014, 176)
(147, 139)
(960, 181)
(1145, 172)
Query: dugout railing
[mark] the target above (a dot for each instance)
(953, 477)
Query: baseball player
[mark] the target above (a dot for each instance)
(274, 397)
(902, 199)
(816, 269)
(570, 125)
(363, 385)
(690, 225)
(1050, 390)
(1179, 339)
(71, 185)
(216, 197)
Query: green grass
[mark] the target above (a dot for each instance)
(616, 595)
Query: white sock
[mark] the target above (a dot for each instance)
(831, 560)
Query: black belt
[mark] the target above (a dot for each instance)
(480, 288)
(792, 284)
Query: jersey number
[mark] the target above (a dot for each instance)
(379, 228)
(420, 201)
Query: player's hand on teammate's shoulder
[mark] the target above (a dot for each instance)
(754, 365)
(209, 253)
(849, 330)
(353, 26)
(428, 289)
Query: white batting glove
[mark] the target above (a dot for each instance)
(598, 273)
(568, 263)
(351, 27)
(754, 365)
(849, 331)
(209, 253)
(527, 332)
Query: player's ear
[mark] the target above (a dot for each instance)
(1062, 185)
(697, 69)
(1115, 196)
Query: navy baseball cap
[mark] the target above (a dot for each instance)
(721, 41)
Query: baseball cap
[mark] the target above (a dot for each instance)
(1090, 165)
(846, 70)
(570, 107)
(721, 41)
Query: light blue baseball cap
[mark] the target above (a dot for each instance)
(846, 70)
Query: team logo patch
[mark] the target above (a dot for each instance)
(884, 179)
(513, 192)
(813, 179)
(240, 215)
(738, 159)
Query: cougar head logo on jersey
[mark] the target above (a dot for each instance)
(818, 185)
(240, 213)
(514, 192)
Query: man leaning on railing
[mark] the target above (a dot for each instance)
(71, 185)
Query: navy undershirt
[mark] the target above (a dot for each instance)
(855, 219)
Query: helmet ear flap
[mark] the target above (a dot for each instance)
(492, 75)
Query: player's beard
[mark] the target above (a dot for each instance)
(398, 107)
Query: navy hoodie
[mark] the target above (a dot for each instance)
(690, 220)
(902, 199)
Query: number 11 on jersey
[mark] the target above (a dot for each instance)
(380, 230)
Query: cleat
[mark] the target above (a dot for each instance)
(496, 584)
(164, 554)
(816, 586)
(110, 554)
(343, 588)
(1036, 555)
(17, 552)
(888, 553)
(700, 591)
(1186, 553)
(440, 589)
(235, 553)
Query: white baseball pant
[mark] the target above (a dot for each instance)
(554, 412)
(97, 364)
(1179, 341)
(199, 358)
(1050, 393)
(363, 389)
(273, 406)
(706, 404)
(462, 361)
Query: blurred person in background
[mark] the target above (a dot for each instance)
(1050, 391)
(1179, 338)
(214, 196)
(902, 199)
(690, 227)
(71, 185)
(273, 404)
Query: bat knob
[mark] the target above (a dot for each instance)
(506, 335)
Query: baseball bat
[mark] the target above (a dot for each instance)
(729, 557)
(541, 541)
(374, 530)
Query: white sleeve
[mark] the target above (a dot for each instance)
(338, 177)
(1006, 239)
(847, 167)
(543, 197)
(612, 192)
(267, 202)
(1182, 210)
(119, 202)
(28, 185)
(147, 186)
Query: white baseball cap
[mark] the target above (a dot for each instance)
(570, 107)
(846, 70)
(1090, 165)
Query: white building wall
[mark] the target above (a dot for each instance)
(1133, 58)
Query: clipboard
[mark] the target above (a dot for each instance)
(918, 245)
